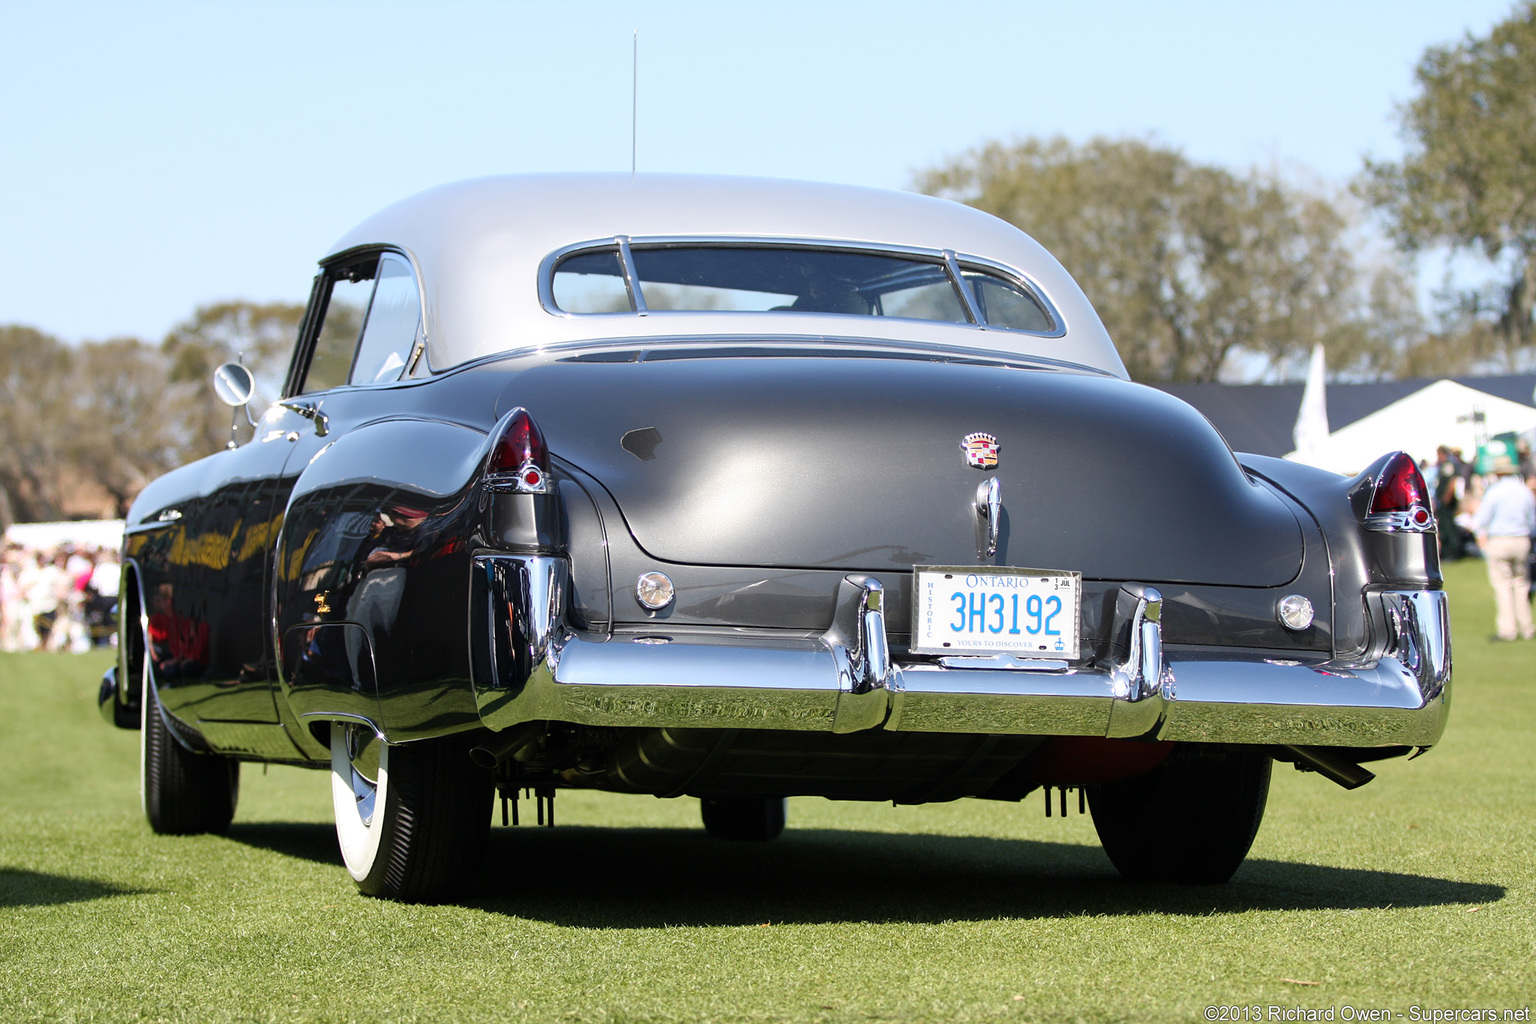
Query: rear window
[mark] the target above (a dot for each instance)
(791, 279)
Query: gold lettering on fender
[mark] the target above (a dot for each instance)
(206, 549)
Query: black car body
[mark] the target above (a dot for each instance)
(740, 490)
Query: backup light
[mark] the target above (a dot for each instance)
(1400, 500)
(654, 591)
(1295, 612)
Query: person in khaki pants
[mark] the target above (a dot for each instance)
(1503, 523)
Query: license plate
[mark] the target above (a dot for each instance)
(987, 610)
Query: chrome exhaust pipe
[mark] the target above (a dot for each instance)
(1329, 765)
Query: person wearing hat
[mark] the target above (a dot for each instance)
(1503, 523)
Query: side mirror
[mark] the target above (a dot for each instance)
(234, 384)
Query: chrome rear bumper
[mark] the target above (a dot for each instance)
(845, 681)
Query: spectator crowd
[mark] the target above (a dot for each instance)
(1492, 515)
(57, 599)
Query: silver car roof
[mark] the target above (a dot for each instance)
(479, 246)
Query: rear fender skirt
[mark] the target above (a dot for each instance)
(381, 565)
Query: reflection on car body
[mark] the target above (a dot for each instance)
(739, 490)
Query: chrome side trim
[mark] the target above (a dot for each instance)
(843, 680)
(759, 339)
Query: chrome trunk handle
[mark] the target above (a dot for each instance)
(989, 506)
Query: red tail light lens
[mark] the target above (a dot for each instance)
(1400, 501)
(519, 460)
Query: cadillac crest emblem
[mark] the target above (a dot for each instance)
(980, 450)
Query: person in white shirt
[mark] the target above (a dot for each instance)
(31, 585)
(1504, 522)
(10, 603)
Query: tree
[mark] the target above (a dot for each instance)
(1191, 267)
(34, 419)
(119, 435)
(70, 414)
(261, 335)
(121, 412)
(1468, 181)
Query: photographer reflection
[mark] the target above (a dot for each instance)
(178, 644)
(395, 537)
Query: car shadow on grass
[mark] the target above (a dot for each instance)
(638, 878)
(22, 888)
(646, 878)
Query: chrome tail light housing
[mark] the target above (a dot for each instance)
(1395, 496)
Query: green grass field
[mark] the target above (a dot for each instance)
(1417, 891)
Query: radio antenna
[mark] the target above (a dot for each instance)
(634, 104)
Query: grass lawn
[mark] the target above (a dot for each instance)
(1417, 891)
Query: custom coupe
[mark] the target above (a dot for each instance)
(737, 490)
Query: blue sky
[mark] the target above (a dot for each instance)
(162, 155)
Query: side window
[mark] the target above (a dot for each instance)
(346, 309)
(390, 330)
(1005, 304)
(371, 319)
(591, 282)
(935, 300)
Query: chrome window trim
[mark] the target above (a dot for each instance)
(421, 351)
(857, 345)
(954, 263)
(957, 282)
(985, 266)
(631, 278)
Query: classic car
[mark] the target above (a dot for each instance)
(737, 490)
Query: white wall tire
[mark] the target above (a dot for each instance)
(412, 820)
(357, 800)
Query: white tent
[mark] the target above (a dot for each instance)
(1440, 414)
(97, 533)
